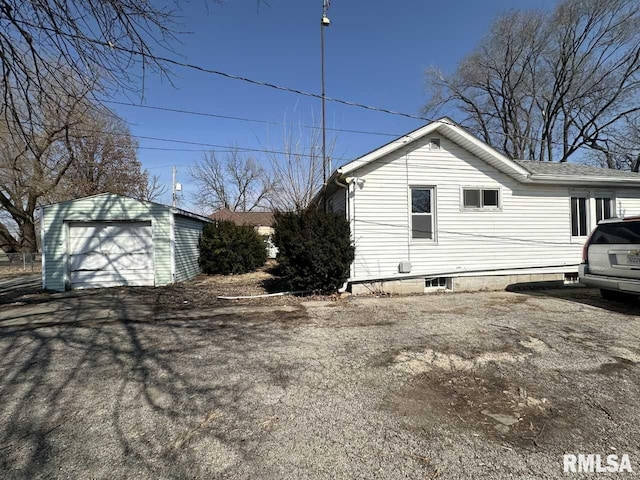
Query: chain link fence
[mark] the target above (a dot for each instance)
(20, 262)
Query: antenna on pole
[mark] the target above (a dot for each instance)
(177, 187)
(173, 186)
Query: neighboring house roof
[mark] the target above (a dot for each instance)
(255, 219)
(522, 171)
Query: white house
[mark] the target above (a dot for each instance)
(438, 208)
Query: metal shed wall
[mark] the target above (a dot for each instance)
(187, 233)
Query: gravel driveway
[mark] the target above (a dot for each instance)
(486, 385)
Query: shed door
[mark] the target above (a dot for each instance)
(110, 254)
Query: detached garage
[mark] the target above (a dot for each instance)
(109, 240)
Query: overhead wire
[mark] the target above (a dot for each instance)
(274, 86)
(466, 234)
(223, 148)
(245, 119)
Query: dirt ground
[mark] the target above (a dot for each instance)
(136, 383)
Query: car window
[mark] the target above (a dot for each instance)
(622, 233)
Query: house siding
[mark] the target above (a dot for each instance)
(187, 252)
(532, 228)
(107, 207)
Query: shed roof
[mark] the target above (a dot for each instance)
(109, 195)
(255, 219)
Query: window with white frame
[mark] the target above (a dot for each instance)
(579, 216)
(434, 144)
(422, 220)
(604, 208)
(481, 198)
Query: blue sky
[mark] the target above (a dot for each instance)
(375, 53)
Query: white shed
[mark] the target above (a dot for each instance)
(438, 208)
(109, 240)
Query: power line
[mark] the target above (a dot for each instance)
(405, 227)
(211, 71)
(244, 119)
(167, 149)
(223, 148)
(262, 83)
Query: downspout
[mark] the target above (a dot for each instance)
(409, 233)
(172, 244)
(343, 288)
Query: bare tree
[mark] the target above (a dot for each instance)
(75, 151)
(105, 159)
(543, 85)
(32, 164)
(236, 181)
(55, 57)
(298, 170)
(115, 41)
(154, 190)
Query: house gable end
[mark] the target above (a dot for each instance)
(441, 128)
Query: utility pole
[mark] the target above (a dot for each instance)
(173, 186)
(325, 22)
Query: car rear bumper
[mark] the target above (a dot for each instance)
(609, 283)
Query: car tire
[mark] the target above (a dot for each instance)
(618, 296)
(610, 294)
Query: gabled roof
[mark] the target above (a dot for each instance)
(522, 171)
(447, 127)
(255, 219)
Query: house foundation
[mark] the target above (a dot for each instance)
(408, 286)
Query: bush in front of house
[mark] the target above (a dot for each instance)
(227, 248)
(314, 249)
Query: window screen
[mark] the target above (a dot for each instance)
(472, 199)
(481, 198)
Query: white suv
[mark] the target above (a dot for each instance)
(611, 258)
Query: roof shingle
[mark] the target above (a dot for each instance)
(255, 219)
(573, 170)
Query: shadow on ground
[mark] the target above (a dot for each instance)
(579, 294)
(110, 390)
(14, 287)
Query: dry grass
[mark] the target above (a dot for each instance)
(9, 270)
(205, 290)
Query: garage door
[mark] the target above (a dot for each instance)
(110, 254)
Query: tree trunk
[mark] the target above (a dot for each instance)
(8, 243)
(29, 238)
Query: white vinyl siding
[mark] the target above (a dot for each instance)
(187, 235)
(531, 229)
